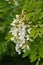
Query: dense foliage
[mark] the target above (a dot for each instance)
(33, 10)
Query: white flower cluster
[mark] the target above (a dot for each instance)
(20, 33)
(9, 1)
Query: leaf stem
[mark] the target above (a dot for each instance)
(38, 61)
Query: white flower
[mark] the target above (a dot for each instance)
(31, 40)
(14, 21)
(16, 3)
(17, 49)
(7, 0)
(12, 39)
(29, 30)
(14, 31)
(28, 37)
(20, 35)
(28, 48)
(19, 52)
(21, 45)
(17, 16)
(24, 50)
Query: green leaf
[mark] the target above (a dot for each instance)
(33, 33)
(37, 63)
(40, 32)
(29, 15)
(41, 64)
(34, 59)
(33, 56)
(8, 38)
(26, 53)
(41, 51)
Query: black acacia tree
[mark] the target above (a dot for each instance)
(26, 15)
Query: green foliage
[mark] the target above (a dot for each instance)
(34, 12)
(33, 33)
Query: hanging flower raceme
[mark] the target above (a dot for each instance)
(20, 31)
